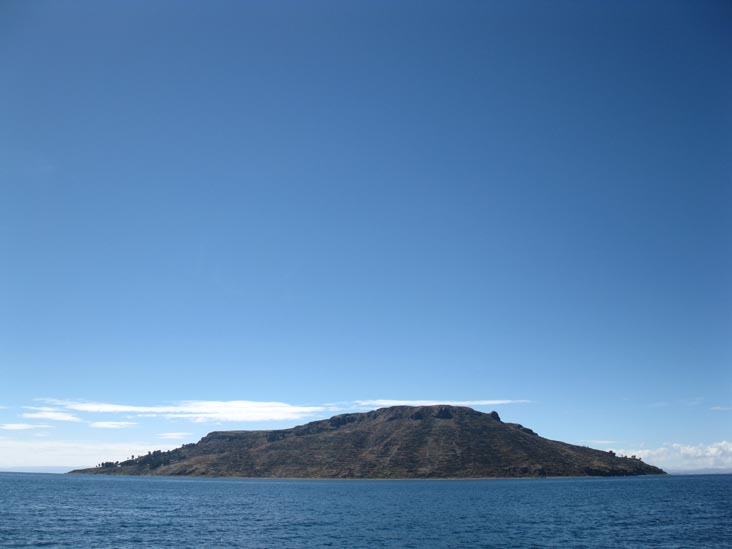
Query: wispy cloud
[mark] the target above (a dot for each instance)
(677, 456)
(201, 411)
(174, 436)
(111, 424)
(722, 408)
(23, 426)
(385, 402)
(52, 416)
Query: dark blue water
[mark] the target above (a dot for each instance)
(39, 510)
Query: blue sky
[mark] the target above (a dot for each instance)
(206, 209)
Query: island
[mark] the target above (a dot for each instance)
(398, 442)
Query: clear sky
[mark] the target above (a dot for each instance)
(210, 207)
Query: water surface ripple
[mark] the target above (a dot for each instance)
(38, 510)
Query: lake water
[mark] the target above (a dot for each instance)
(38, 510)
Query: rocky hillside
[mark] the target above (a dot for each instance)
(395, 442)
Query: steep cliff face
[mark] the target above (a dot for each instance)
(395, 442)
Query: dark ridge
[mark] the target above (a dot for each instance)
(396, 442)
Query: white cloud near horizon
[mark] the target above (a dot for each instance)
(721, 408)
(174, 436)
(685, 457)
(23, 426)
(385, 402)
(57, 453)
(111, 424)
(201, 411)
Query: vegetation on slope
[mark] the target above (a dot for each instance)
(395, 442)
